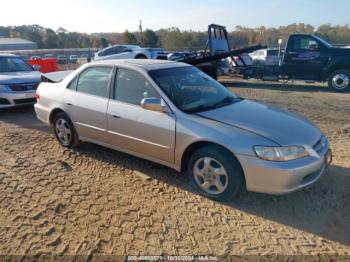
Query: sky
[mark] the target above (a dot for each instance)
(116, 16)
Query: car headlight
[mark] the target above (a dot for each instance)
(283, 153)
(4, 88)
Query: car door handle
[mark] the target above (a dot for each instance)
(69, 104)
(292, 53)
(115, 116)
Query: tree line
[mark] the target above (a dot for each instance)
(172, 38)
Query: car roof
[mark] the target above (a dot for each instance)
(131, 46)
(146, 64)
(8, 55)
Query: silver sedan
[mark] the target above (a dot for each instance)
(173, 114)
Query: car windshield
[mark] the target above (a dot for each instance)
(13, 64)
(191, 90)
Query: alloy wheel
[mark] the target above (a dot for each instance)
(63, 131)
(210, 175)
(340, 81)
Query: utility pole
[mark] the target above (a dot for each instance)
(141, 32)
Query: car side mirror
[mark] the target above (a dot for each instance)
(37, 67)
(153, 104)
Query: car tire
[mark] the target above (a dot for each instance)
(140, 57)
(339, 80)
(64, 130)
(215, 173)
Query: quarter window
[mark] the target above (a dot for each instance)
(73, 84)
(95, 81)
(131, 87)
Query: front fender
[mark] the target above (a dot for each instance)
(192, 129)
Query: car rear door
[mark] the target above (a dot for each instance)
(86, 98)
(132, 128)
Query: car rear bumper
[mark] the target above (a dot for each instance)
(12, 99)
(42, 113)
(279, 178)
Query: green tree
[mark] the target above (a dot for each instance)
(104, 42)
(4, 32)
(150, 39)
(129, 38)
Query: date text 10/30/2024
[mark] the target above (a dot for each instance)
(173, 258)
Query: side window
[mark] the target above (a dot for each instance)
(95, 81)
(119, 49)
(108, 51)
(131, 87)
(114, 50)
(303, 44)
(73, 84)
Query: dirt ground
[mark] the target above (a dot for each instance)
(94, 200)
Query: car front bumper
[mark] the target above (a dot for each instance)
(12, 99)
(279, 178)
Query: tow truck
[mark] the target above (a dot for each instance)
(217, 49)
(309, 58)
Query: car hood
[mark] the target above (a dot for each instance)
(20, 77)
(280, 126)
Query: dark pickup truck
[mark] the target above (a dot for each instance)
(310, 58)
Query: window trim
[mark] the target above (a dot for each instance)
(297, 40)
(87, 68)
(71, 81)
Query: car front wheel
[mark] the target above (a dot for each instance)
(215, 173)
(64, 130)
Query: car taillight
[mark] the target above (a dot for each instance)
(37, 96)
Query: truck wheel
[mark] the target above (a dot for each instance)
(339, 80)
(215, 174)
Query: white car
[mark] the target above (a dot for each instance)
(263, 57)
(128, 52)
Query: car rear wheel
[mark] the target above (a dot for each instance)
(340, 80)
(64, 130)
(215, 173)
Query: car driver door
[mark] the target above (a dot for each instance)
(133, 128)
(303, 59)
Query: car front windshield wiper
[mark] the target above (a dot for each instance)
(228, 100)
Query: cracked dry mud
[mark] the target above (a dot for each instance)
(92, 200)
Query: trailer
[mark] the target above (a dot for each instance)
(217, 49)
